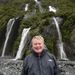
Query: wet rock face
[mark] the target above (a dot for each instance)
(69, 46)
(67, 67)
(10, 67)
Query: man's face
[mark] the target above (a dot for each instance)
(37, 45)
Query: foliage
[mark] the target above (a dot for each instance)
(37, 21)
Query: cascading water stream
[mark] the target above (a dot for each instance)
(28, 15)
(26, 7)
(9, 28)
(23, 41)
(60, 43)
(38, 3)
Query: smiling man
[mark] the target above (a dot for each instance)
(40, 62)
(38, 45)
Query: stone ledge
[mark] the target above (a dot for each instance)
(10, 67)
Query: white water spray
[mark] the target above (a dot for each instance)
(37, 1)
(52, 9)
(26, 7)
(9, 28)
(22, 43)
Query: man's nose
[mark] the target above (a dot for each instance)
(38, 45)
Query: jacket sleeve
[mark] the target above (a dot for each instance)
(25, 68)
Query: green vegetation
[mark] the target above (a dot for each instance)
(37, 22)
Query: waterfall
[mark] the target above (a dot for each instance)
(60, 43)
(9, 28)
(22, 43)
(38, 3)
(26, 7)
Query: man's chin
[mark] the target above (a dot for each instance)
(39, 51)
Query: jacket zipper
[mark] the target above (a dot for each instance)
(40, 69)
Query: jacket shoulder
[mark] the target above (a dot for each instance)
(51, 56)
(28, 57)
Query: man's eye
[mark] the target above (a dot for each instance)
(35, 44)
(39, 43)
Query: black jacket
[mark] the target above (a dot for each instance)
(43, 65)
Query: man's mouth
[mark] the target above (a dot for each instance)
(38, 48)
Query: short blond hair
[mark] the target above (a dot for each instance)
(38, 37)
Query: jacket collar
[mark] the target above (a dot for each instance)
(42, 53)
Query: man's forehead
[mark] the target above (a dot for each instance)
(37, 40)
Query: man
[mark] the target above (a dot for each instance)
(40, 62)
